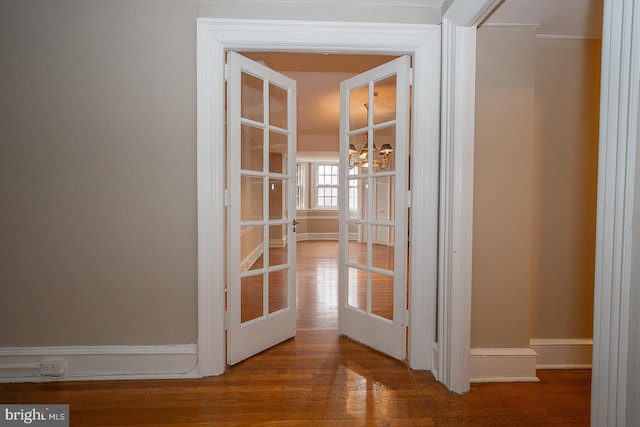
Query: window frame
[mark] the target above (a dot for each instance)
(316, 185)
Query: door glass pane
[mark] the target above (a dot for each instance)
(357, 110)
(384, 108)
(251, 208)
(357, 288)
(383, 192)
(251, 247)
(357, 252)
(278, 148)
(382, 295)
(355, 190)
(385, 139)
(357, 198)
(251, 105)
(251, 297)
(277, 198)
(278, 281)
(359, 152)
(277, 106)
(382, 249)
(278, 250)
(252, 143)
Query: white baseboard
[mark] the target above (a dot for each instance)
(278, 243)
(563, 353)
(503, 365)
(22, 364)
(250, 259)
(435, 358)
(301, 237)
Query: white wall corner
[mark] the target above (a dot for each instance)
(456, 204)
(503, 365)
(22, 364)
(459, 26)
(569, 353)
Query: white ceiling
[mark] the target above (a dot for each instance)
(318, 80)
(318, 76)
(562, 18)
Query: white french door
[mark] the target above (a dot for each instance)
(261, 172)
(374, 139)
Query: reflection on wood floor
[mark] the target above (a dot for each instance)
(317, 290)
(316, 379)
(317, 283)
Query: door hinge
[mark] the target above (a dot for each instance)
(408, 198)
(226, 198)
(406, 317)
(410, 76)
(226, 71)
(226, 320)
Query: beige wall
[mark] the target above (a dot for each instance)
(98, 164)
(535, 187)
(97, 173)
(317, 222)
(503, 202)
(98, 170)
(565, 180)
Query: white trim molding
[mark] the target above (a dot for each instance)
(503, 365)
(565, 353)
(456, 204)
(210, 174)
(22, 364)
(302, 237)
(215, 36)
(459, 26)
(469, 13)
(617, 205)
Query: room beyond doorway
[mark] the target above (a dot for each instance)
(317, 278)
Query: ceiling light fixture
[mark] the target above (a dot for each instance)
(360, 158)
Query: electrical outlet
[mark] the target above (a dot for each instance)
(52, 368)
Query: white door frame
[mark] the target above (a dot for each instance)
(214, 36)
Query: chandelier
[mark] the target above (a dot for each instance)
(380, 158)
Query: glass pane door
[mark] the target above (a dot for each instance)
(373, 230)
(261, 159)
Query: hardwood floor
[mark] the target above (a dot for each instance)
(317, 279)
(316, 379)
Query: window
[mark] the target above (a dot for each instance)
(353, 190)
(327, 186)
(299, 186)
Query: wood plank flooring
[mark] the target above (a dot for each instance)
(316, 379)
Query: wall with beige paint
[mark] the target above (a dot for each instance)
(97, 173)
(535, 187)
(565, 180)
(503, 173)
(98, 164)
(318, 223)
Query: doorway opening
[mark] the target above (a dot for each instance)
(215, 37)
(367, 188)
(318, 77)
